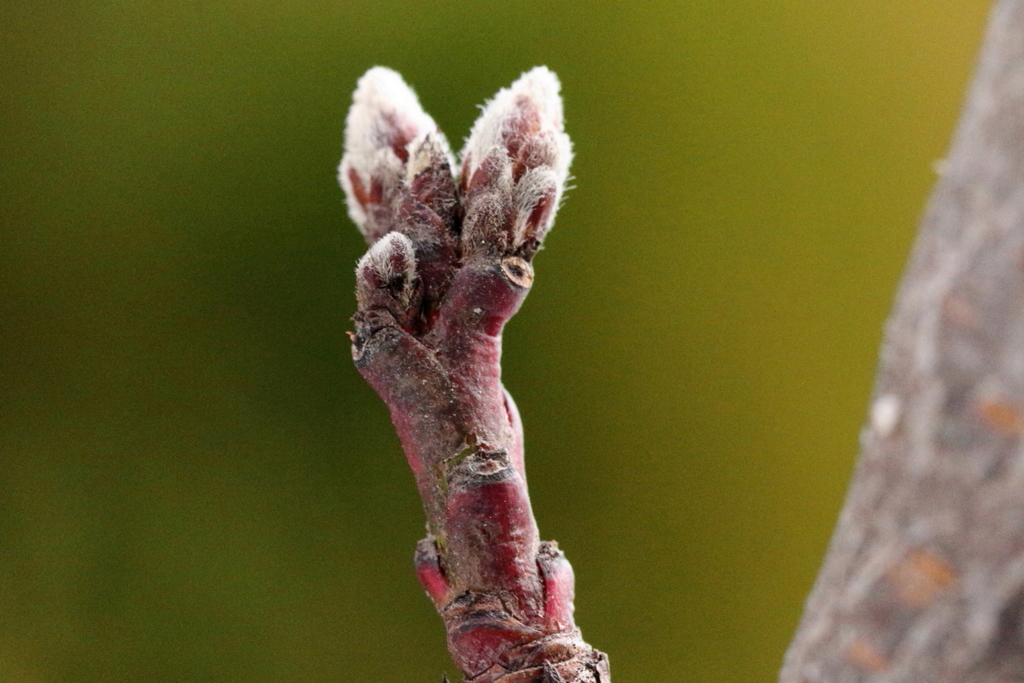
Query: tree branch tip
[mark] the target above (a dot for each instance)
(448, 265)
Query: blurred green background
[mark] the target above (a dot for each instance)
(195, 484)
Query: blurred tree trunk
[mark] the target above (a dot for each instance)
(924, 578)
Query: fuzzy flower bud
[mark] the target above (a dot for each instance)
(515, 165)
(384, 123)
(386, 275)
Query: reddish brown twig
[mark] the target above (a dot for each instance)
(448, 265)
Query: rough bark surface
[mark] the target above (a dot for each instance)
(924, 577)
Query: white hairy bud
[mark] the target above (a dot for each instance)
(520, 135)
(384, 123)
(386, 274)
